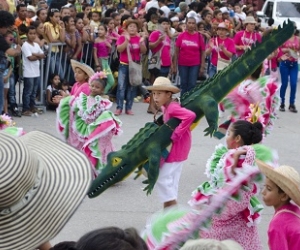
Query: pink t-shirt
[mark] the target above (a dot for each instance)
(165, 45)
(190, 46)
(181, 137)
(228, 44)
(134, 48)
(245, 38)
(290, 44)
(80, 88)
(102, 49)
(284, 229)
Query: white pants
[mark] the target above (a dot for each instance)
(168, 181)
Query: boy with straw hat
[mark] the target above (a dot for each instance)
(281, 186)
(170, 171)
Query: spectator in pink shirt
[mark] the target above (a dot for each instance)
(282, 191)
(220, 46)
(129, 41)
(82, 73)
(245, 38)
(189, 56)
(170, 171)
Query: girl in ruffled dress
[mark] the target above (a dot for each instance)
(86, 123)
(238, 220)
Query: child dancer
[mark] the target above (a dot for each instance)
(82, 73)
(282, 186)
(102, 48)
(239, 218)
(86, 123)
(169, 174)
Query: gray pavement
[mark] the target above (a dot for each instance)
(125, 204)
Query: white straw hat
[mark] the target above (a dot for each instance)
(163, 84)
(211, 244)
(249, 19)
(84, 67)
(285, 177)
(42, 182)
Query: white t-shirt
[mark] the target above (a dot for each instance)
(31, 69)
(166, 10)
(152, 3)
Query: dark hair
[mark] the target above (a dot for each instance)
(205, 13)
(84, 6)
(77, 19)
(114, 15)
(200, 7)
(216, 12)
(124, 17)
(109, 12)
(80, 15)
(66, 19)
(111, 238)
(51, 77)
(19, 6)
(163, 19)
(51, 13)
(257, 72)
(250, 133)
(154, 16)
(104, 26)
(39, 11)
(66, 245)
(36, 23)
(6, 20)
(23, 29)
(106, 20)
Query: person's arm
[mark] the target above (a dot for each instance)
(175, 60)
(79, 47)
(71, 40)
(153, 45)
(96, 60)
(143, 48)
(62, 32)
(121, 47)
(209, 47)
(225, 51)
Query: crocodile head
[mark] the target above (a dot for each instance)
(117, 169)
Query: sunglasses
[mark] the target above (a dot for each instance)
(54, 10)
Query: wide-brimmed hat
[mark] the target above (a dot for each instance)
(249, 19)
(223, 26)
(42, 182)
(211, 244)
(129, 21)
(163, 84)
(285, 177)
(84, 67)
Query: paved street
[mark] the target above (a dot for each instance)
(125, 204)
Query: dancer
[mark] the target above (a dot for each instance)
(86, 123)
(170, 171)
(255, 99)
(282, 187)
(238, 220)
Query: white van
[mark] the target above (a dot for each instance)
(280, 10)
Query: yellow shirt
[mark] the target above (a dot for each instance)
(54, 32)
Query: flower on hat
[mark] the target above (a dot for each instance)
(5, 121)
(98, 75)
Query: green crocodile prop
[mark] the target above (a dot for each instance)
(152, 140)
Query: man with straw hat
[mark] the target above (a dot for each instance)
(282, 186)
(245, 38)
(42, 182)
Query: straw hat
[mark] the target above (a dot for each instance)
(223, 26)
(86, 68)
(129, 21)
(42, 182)
(249, 19)
(286, 177)
(210, 244)
(164, 84)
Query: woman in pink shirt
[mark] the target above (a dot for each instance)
(288, 57)
(189, 56)
(136, 46)
(220, 46)
(282, 188)
(160, 41)
(82, 73)
(169, 173)
(245, 38)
